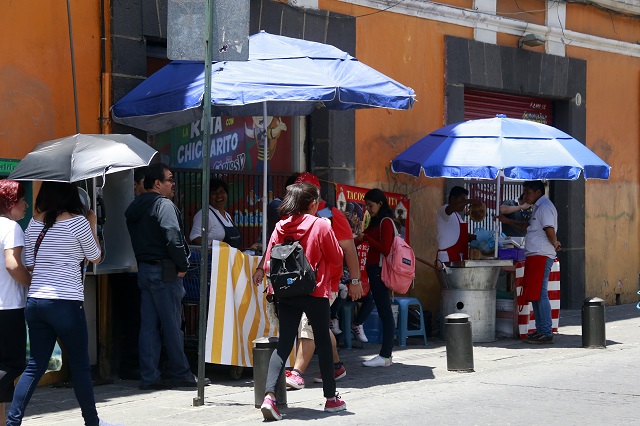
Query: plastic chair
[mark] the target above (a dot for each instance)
(191, 280)
(346, 317)
(403, 320)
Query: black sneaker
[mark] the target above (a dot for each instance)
(541, 340)
(188, 383)
(153, 386)
(533, 335)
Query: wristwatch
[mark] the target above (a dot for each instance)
(355, 281)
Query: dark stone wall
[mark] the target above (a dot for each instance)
(330, 147)
(494, 68)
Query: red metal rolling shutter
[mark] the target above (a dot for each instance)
(479, 104)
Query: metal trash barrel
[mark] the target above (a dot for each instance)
(470, 288)
(459, 345)
(593, 323)
(264, 347)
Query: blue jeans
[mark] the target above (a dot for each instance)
(160, 321)
(542, 307)
(50, 319)
(381, 297)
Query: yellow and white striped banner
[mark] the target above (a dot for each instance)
(237, 308)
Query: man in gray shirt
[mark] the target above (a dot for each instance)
(162, 254)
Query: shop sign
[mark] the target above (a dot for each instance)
(350, 199)
(7, 165)
(236, 144)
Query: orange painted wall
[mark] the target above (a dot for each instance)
(36, 88)
(613, 132)
(598, 22)
(531, 11)
(410, 50)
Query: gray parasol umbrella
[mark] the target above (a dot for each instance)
(79, 157)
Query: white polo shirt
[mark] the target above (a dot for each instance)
(536, 241)
(448, 227)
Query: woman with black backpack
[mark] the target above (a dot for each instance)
(321, 249)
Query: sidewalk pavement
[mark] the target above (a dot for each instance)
(513, 383)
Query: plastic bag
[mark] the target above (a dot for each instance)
(485, 241)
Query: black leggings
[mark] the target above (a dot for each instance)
(382, 300)
(13, 349)
(289, 314)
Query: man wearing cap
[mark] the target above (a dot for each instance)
(453, 231)
(344, 235)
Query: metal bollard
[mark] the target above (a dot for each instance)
(459, 343)
(264, 347)
(593, 323)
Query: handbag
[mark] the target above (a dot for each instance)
(36, 247)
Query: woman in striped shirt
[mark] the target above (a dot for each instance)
(59, 238)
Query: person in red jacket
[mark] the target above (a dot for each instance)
(379, 235)
(322, 250)
(344, 235)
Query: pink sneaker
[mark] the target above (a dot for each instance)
(339, 373)
(294, 380)
(270, 410)
(334, 405)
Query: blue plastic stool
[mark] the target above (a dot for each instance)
(373, 327)
(345, 323)
(403, 320)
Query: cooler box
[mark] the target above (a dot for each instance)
(373, 325)
(504, 318)
(516, 254)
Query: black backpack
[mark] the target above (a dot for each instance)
(291, 274)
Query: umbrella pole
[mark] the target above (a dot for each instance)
(497, 234)
(204, 245)
(264, 177)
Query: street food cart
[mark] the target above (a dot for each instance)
(237, 310)
(493, 149)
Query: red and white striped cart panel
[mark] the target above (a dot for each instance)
(526, 319)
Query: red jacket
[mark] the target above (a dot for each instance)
(379, 241)
(320, 246)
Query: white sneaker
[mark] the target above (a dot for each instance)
(378, 361)
(103, 423)
(358, 330)
(335, 326)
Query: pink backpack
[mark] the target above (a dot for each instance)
(399, 267)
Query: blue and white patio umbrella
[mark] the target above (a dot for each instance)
(517, 149)
(492, 147)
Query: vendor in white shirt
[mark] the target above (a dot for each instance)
(453, 231)
(221, 226)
